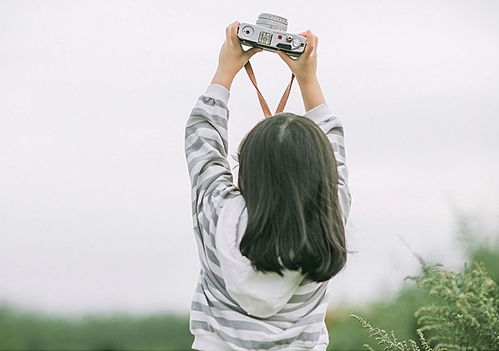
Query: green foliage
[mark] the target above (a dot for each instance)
(489, 257)
(463, 314)
(389, 341)
(393, 313)
(20, 330)
(465, 310)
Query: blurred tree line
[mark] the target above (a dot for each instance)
(25, 330)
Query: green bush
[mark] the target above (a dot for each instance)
(463, 314)
(20, 330)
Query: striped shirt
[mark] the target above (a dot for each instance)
(235, 307)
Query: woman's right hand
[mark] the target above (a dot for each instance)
(305, 66)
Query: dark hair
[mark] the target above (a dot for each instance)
(288, 177)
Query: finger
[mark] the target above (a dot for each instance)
(307, 34)
(233, 30)
(311, 43)
(314, 51)
(285, 58)
(228, 31)
(316, 42)
(251, 52)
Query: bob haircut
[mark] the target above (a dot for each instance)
(288, 177)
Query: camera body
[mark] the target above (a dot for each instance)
(269, 33)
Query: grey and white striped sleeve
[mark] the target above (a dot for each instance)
(206, 146)
(323, 116)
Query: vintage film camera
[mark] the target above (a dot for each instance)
(269, 33)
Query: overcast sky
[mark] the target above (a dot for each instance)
(94, 96)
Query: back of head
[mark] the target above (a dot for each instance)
(288, 177)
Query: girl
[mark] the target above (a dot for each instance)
(269, 245)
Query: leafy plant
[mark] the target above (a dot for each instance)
(464, 314)
(390, 341)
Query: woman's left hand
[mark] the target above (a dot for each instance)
(232, 57)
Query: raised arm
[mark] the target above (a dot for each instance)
(206, 144)
(305, 71)
(206, 130)
(331, 125)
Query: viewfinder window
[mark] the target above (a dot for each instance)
(265, 38)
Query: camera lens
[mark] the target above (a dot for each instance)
(272, 21)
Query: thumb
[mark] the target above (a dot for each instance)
(252, 51)
(289, 61)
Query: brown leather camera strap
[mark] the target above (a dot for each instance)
(263, 103)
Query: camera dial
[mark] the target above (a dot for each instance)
(248, 31)
(272, 21)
